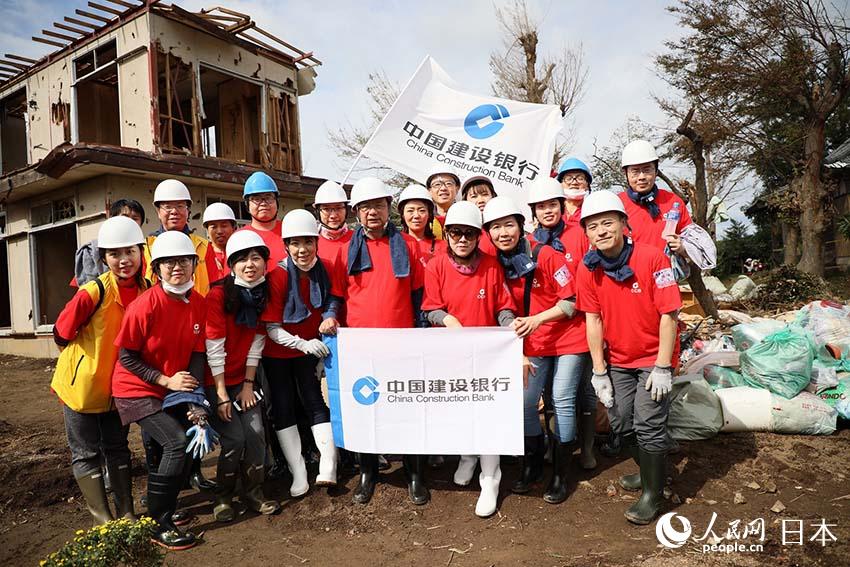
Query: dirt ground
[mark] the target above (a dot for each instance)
(40, 506)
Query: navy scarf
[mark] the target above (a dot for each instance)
(646, 200)
(518, 262)
(358, 253)
(615, 268)
(295, 310)
(551, 236)
(250, 302)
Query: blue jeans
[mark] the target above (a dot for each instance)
(565, 371)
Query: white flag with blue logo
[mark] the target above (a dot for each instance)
(426, 391)
(435, 122)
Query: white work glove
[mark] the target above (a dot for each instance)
(660, 381)
(604, 389)
(315, 347)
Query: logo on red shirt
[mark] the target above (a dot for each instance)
(664, 278)
(636, 288)
(197, 329)
(482, 294)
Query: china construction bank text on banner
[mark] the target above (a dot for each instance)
(415, 391)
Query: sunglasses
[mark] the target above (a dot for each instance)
(456, 234)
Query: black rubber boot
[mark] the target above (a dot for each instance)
(162, 501)
(586, 435)
(613, 446)
(653, 470)
(414, 468)
(122, 489)
(631, 482)
(368, 478)
(197, 479)
(556, 491)
(531, 465)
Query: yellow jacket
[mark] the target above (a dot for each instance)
(202, 277)
(83, 376)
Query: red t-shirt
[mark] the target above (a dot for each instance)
(166, 332)
(376, 298)
(475, 299)
(219, 268)
(329, 249)
(648, 231)
(237, 338)
(485, 244)
(309, 327)
(631, 310)
(552, 282)
(430, 248)
(272, 238)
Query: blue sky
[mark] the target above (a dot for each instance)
(354, 38)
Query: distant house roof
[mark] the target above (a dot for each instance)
(839, 158)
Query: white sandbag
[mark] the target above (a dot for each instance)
(743, 289)
(714, 285)
(745, 409)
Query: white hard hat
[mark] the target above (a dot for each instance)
(367, 189)
(414, 191)
(601, 201)
(330, 192)
(499, 207)
(218, 211)
(544, 189)
(299, 222)
(244, 240)
(172, 243)
(441, 169)
(171, 190)
(464, 213)
(638, 151)
(119, 232)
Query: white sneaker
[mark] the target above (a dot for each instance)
(290, 442)
(465, 470)
(323, 434)
(488, 500)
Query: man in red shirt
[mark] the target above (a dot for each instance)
(443, 184)
(631, 300)
(261, 197)
(383, 288)
(220, 224)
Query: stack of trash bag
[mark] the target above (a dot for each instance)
(829, 324)
(781, 362)
(695, 412)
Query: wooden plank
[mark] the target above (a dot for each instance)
(13, 64)
(81, 22)
(122, 3)
(20, 58)
(9, 70)
(69, 28)
(107, 9)
(237, 28)
(103, 19)
(59, 35)
(48, 41)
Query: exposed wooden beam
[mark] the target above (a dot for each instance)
(122, 3)
(48, 41)
(20, 58)
(108, 9)
(103, 19)
(236, 28)
(58, 35)
(13, 64)
(69, 28)
(10, 70)
(81, 22)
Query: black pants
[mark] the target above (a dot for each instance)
(291, 380)
(168, 429)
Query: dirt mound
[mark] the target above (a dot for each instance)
(34, 468)
(787, 288)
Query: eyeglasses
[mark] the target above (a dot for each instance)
(439, 184)
(578, 178)
(378, 206)
(456, 234)
(262, 199)
(172, 208)
(634, 171)
(182, 261)
(329, 210)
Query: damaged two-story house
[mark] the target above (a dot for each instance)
(135, 92)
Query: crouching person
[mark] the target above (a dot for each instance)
(234, 348)
(85, 331)
(631, 299)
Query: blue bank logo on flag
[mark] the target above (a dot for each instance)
(364, 391)
(490, 115)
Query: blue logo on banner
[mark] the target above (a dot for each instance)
(495, 112)
(370, 385)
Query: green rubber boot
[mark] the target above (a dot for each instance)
(630, 482)
(653, 471)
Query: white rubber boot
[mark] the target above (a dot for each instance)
(489, 479)
(465, 469)
(290, 442)
(323, 434)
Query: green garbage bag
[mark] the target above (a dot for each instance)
(781, 363)
(695, 413)
(722, 377)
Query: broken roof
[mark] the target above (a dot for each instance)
(226, 24)
(839, 158)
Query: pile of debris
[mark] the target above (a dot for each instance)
(781, 289)
(789, 373)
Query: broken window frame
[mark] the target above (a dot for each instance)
(26, 129)
(6, 329)
(282, 113)
(165, 120)
(99, 66)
